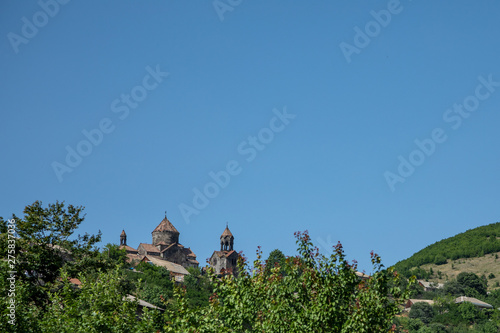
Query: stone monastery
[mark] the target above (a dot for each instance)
(166, 251)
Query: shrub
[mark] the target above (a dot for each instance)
(440, 260)
(422, 311)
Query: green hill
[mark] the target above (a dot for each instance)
(472, 243)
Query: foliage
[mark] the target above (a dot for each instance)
(198, 288)
(472, 284)
(316, 294)
(440, 259)
(275, 258)
(25, 317)
(468, 311)
(466, 284)
(472, 243)
(114, 255)
(422, 311)
(45, 244)
(98, 306)
(154, 283)
(308, 292)
(437, 328)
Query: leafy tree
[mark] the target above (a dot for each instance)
(98, 306)
(425, 329)
(276, 259)
(453, 287)
(415, 324)
(155, 283)
(198, 288)
(23, 317)
(45, 244)
(468, 311)
(114, 255)
(437, 328)
(472, 284)
(493, 298)
(488, 327)
(422, 311)
(440, 259)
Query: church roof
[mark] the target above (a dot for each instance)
(123, 233)
(132, 258)
(226, 254)
(171, 246)
(226, 232)
(166, 225)
(172, 267)
(149, 248)
(127, 248)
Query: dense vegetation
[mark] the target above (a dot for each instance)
(473, 243)
(447, 316)
(305, 293)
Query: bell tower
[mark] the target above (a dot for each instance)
(226, 240)
(123, 238)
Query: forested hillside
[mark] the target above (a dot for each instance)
(472, 243)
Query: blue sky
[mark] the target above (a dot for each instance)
(312, 106)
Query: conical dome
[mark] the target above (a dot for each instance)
(165, 232)
(226, 233)
(166, 225)
(226, 240)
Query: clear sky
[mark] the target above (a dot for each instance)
(370, 123)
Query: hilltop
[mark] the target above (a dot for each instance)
(475, 250)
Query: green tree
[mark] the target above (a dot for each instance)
(22, 316)
(45, 244)
(422, 311)
(472, 284)
(440, 259)
(488, 327)
(415, 324)
(155, 283)
(198, 288)
(437, 328)
(275, 259)
(114, 255)
(468, 311)
(98, 306)
(454, 288)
